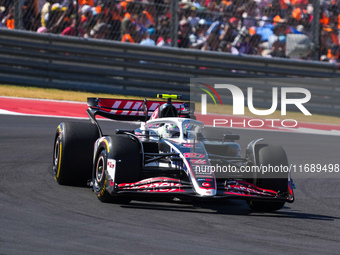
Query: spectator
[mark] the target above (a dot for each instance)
(86, 2)
(8, 20)
(45, 10)
(55, 19)
(86, 26)
(278, 30)
(164, 39)
(29, 16)
(278, 47)
(212, 41)
(225, 46)
(149, 38)
(149, 12)
(197, 38)
(114, 19)
(130, 33)
(86, 12)
(141, 25)
(245, 46)
(183, 34)
(71, 31)
(193, 19)
(2, 16)
(236, 24)
(130, 18)
(100, 31)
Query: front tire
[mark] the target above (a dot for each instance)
(100, 178)
(128, 163)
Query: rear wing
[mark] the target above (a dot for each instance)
(132, 110)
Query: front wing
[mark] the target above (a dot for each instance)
(226, 190)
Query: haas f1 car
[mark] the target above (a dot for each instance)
(168, 155)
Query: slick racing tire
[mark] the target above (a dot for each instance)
(128, 162)
(270, 155)
(73, 152)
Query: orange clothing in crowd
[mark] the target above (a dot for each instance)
(128, 15)
(98, 9)
(10, 23)
(329, 54)
(335, 38)
(227, 3)
(87, 2)
(276, 19)
(124, 3)
(296, 14)
(295, 2)
(252, 30)
(127, 38)
(150, 18)
(283, 5)
(116, 16)
(324, 20)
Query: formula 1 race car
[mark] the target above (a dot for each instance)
(168, 155)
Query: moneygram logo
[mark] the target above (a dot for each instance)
(238, 99)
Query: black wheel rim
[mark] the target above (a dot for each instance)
(100, 169)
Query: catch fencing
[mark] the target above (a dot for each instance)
(244, 24)
(48, 60)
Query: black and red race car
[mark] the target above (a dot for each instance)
(167, 156)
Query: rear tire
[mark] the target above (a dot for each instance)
(270, 155)
(73, 152)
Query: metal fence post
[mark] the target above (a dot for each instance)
(77, 18)
(316, 29)
(17, 14)
(174, 23)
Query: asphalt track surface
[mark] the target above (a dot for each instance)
(38, 216)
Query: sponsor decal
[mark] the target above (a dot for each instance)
(188, 145)
(130, 107)
(235, 188)
(111, 170)
(150, 180)
(206, 184)
(193, 155)
(156, 187)
(155, 114)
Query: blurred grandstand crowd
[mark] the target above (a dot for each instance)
(255, 27)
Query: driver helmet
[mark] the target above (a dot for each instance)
(169, 131)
